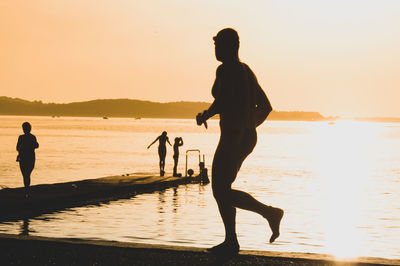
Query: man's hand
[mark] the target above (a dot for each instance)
(200, 119)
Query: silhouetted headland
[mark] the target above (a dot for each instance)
(129, 108)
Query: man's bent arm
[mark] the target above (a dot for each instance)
(263, 108)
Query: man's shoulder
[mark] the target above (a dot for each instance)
(246, 66)
(249, 71)
(31, 136)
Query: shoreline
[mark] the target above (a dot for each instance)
(325, 119)
(216, 118)
(35, 250)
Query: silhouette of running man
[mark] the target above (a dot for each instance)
(162, 149)
(242, 106)
(26, 146)
(178, 142)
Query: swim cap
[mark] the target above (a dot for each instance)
(227, 35)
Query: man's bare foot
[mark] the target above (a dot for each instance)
(274, 217)
(225, 248)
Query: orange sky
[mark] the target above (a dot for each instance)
(335, 57)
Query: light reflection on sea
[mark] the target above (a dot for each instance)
(337, 183)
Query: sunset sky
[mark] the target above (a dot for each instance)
(334, 57)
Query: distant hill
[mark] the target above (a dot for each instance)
(126, 108)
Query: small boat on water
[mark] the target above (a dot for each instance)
(105, 117)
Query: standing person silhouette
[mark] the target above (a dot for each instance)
(178, 142)
(26, 146)
(162, 149)
(242, 106)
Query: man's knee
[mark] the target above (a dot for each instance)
(221, 190)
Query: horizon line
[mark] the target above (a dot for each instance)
(188, 101)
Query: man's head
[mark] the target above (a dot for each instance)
(26, 127)
(226, 45)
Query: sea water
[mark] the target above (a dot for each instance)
(338, 183)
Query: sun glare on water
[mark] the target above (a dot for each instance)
(345, 151)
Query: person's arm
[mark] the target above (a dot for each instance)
(210, 112)
(36, 144)
(153, 142)
(263, 106)
(168, 142)
(19, 144)
(214, 108)
(18, 149)
(180, 142)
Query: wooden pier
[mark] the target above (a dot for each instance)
(54, 197)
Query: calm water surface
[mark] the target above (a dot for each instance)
(339, 184)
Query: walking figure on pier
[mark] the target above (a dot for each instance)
(162, 149)
(178, 142)
(26, 146)
(242, 106)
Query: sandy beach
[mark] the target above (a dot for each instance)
(30, 250)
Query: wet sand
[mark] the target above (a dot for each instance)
(29, 250)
